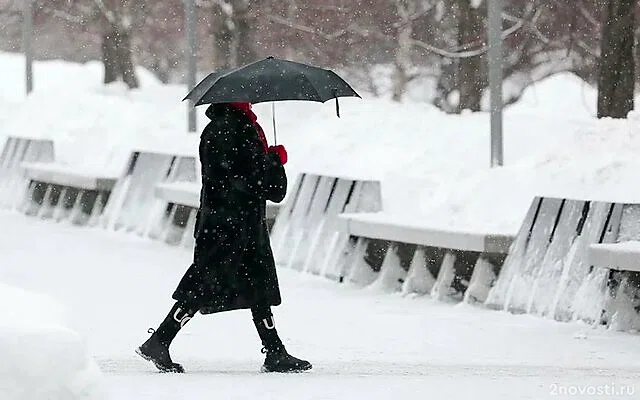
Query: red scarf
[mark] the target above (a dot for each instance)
(246, 109)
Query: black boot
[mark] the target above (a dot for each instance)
(156, 348)
(277, 359)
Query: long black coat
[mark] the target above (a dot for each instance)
(233, 264)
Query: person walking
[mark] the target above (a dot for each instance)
(233, 266)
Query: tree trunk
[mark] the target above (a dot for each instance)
(109, 57)
(222, 39)
(471, 76)
(242, 43)
(402, 61)
(616, 77)
(125, 60)
(117, 57)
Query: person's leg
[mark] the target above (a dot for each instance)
(156, 348)
(277, 359)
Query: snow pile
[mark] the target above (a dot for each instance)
(599, 162)
(41, 358)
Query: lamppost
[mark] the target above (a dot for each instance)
(27, 31)
(494, 33)
(192, 50)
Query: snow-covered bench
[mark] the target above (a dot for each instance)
(573, 259)
(182, 200)
(135, 205)
(399, 255)
(17, 150)
(77, 190)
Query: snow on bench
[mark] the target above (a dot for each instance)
(404, 256)
(183, 200)
(17, 150)
(77, 191)
(624, 256)
(60, 191)
(67, 176)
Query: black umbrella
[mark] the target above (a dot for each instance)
(271, 79)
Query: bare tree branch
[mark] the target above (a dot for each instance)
(108, 14)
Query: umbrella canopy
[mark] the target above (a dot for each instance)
(271, 79)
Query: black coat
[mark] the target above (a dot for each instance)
(233, 266)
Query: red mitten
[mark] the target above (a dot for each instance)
(281, 152)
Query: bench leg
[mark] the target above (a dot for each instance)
(96, 210)
(76, 209)
(46, 202)
(187, 234)
(29, 206)
(391, 275)
(622, 306)
(168, 226)
(481, 282)
(359, 272)
(442, 287)
(58, 211)
(419, 279)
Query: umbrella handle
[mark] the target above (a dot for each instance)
(273, 118)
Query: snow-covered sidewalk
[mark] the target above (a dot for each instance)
(364, 345)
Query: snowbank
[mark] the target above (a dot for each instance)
(41, 358)
(434, 167)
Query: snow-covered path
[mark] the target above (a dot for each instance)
(363, 344)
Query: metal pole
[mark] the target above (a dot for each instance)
(191, 23)
(494, 30)
(27, 30)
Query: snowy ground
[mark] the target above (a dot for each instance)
(364, 345)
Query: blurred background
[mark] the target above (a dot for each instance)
(426, 50)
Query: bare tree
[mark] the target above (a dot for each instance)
(471, 72)
(232, 28)
(115, 20)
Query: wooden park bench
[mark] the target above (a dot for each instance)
(120, 197)
(413, 258)
(78, 193)
(63, 192)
